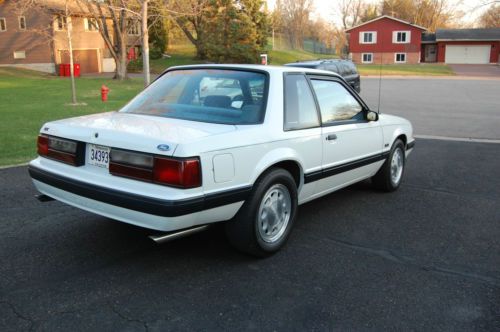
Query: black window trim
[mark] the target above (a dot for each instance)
(349, 88)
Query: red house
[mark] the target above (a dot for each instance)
(385, 40)
(390, 40)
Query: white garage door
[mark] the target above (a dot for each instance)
(467, 54)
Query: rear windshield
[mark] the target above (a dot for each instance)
(205, 95)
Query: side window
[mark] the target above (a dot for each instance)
(347, 69)
(300, 109)
(354, 70)
(335, 68)
(335, 102)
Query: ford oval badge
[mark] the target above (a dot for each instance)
(163, 147)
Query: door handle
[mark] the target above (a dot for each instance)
(331, 137)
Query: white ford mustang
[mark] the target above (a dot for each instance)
(244, 144)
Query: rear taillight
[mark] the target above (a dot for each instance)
(176, 172)
(61, 149)
(43, 145)
(184, 173)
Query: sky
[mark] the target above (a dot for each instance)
(326, 9)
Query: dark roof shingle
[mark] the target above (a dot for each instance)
(468, 34)
(428, 37)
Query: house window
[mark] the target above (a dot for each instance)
(400, 58)
(22, 23)
(401, 37)
(91, 24)
(20, 55)
(367, 57)
(60, 23)
(368, 37)
(3, 24)
(133, 28)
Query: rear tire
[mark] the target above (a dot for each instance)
(390, 175)
(264, 222)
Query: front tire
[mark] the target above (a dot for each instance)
(265, 220)
(390, 175)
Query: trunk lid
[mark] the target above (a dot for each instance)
(136, 132)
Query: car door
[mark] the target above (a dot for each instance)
(352, 145)
(302, 129)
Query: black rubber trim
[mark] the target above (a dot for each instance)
(318, 175)
(149, 205)
(410, 145)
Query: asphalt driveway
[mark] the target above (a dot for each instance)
(477, 70)
(463, 108)
(424, 258)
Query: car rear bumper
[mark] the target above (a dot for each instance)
(149, 212)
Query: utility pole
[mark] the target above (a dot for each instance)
(273, 39)
(69, 31)
(145, 43)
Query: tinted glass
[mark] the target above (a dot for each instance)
(333, 67)
(300, 108)
(302, 65)
(335, 102)
(351, 65)
(205, 95)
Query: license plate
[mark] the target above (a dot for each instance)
(98, 155)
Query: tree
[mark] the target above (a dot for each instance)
(115, 36)
(69, 35)
(145, 42)
(236, 31)
(323, 32)
(157, 22)
(491, 17)
(224, 30)
(295, 18)
(402, 9)
(65, 10)
(350, 12)
(430, 14)
(257, 11)
(193, 21)
(370, 12)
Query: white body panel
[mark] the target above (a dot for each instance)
(341, 150)
(146, 220)
(232, 157)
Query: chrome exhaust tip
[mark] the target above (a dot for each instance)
(162, 238)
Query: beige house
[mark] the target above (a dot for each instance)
(38, 39)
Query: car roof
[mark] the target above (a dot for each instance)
(270, 69)
(315, 62)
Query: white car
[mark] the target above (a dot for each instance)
(245, 144)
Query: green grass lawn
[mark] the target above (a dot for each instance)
(184, 54)
(29, 99)
(282, 57)
(424, 69)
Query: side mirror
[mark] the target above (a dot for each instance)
(371, 116)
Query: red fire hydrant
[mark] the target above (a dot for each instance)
(104, 93)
